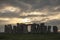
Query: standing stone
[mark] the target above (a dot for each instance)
(33, 28)
(55, 29)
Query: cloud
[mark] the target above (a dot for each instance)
(35, 10)
(9, 15)
(55, 22)
(3, 22)
(30, 5)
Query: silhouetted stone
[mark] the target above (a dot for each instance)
(8, 28)
(14, 29)
(22, 28)
(38, 28)
(55, 29)
(25, 30)
(33, 28)
(49, 29)
(43, 28)
(19, 28)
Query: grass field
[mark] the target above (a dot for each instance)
(51, 36)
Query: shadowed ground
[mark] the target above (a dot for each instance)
(51, 36)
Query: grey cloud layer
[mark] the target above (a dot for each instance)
(31, 5)
(52, 7)
(9, 15)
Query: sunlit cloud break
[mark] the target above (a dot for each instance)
(7, 9)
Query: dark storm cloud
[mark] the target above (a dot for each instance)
(39, 4)
(36, 16)
(23, 5)
(54, 22)
(36, 4)
(31, 6)
(9, 15)
(54, 8)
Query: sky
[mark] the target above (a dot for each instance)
(29, 11)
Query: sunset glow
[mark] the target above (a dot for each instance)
(16, 20)
(11, 9)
